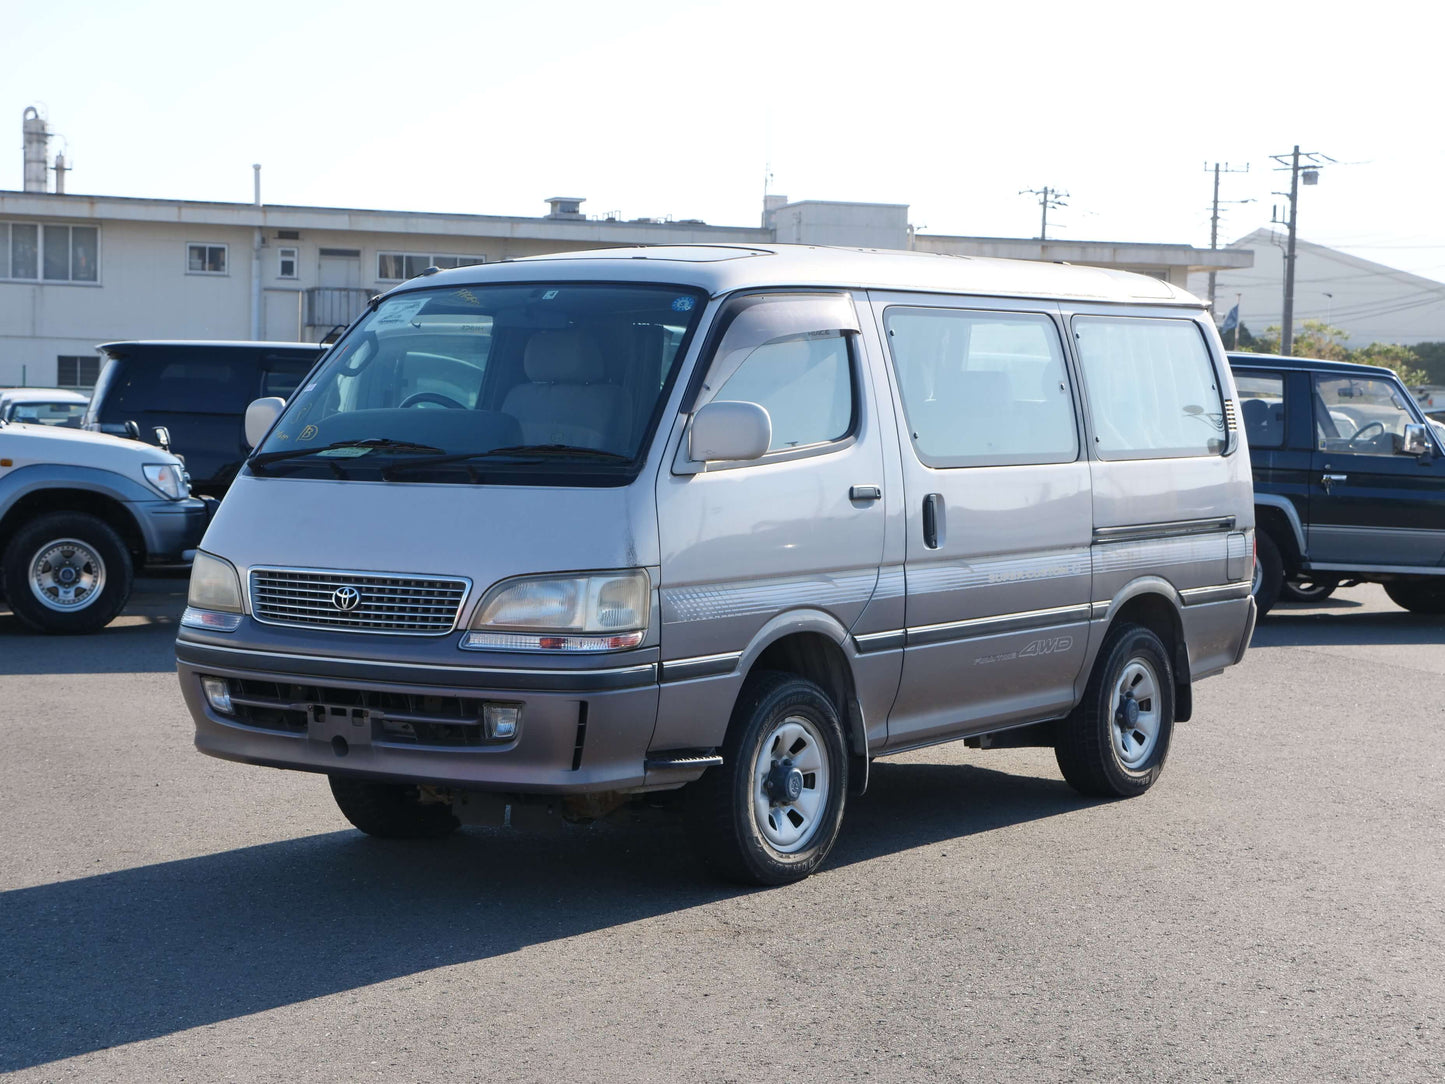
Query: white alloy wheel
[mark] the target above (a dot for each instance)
(1134, 711)
(790, 779)
(66, 575)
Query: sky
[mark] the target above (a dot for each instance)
(694, 110)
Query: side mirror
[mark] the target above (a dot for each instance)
(1417, 442)
(729, 431)
(132, 430)
(163, 437)
(260, 416)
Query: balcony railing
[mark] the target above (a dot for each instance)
(327, 306)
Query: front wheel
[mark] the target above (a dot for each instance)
(1114, 742)
(1422, 596)
(391, 810)
(67, 572)
(770, 814)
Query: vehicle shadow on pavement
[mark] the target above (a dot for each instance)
(141, 953)
(1304, 629)
(131, 644)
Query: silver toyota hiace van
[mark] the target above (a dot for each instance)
(735, 520)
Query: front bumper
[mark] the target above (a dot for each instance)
(170, 528)
(581, 730)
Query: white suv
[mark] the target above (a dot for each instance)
(79, 512)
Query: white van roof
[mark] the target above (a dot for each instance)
(723, 268)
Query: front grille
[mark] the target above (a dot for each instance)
(394, 718)
(408, 605)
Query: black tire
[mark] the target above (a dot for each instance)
(1268, 572)
(723, 805)
(1101, 753)
(96, 549)
(1308, 587)
(391, 810)
(1422, 596)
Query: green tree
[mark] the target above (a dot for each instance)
(1432, 360)
(1402, 359)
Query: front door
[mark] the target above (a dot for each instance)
(999, 520)
(1371, 504)
(797, 532)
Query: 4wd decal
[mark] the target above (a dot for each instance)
(1049, 645)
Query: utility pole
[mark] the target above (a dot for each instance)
(1214, 217)
(1048, 197)
(1313, 162)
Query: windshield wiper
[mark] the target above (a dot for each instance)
(381, 443)
(513, 451)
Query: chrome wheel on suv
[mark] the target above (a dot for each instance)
(67, 575)
(66, 572)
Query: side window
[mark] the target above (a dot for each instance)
(1152, 389)
(282, 377)
(1261, 401)
(982, 388)
(790, 354)
(806, 386)
(1362, 416)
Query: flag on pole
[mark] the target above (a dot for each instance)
(1231, 320)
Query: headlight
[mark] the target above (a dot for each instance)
(601, 611)
(214, 585)
(167, 478)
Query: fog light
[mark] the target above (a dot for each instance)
(218, 694)
(501, 720)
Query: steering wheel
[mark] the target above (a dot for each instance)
(433, 397)
(1358, 438)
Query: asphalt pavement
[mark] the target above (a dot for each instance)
(1272, 910)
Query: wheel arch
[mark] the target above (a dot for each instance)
(43, 501)
(815, 646)
(1155, 604)
(1278, 517)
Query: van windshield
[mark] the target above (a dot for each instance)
(551, 384)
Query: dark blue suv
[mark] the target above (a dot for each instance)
(1349, 482)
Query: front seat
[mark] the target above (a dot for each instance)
(566, 399)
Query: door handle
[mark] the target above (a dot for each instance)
(1327, 480)
(865, 493)
(932, 518)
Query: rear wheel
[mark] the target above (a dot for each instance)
(770, 814)
(391, 810)
(67, 572)
(1114, 743)
(1268, 573)
(1422, 596)
(1308, 587)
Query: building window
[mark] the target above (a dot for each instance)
(206, 259)
(76, 371)
(286, 263)
(53, 253)
(396, 266)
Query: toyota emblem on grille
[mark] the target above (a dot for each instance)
(346, 598)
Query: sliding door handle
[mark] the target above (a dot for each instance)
(932, 519)
(865, 493)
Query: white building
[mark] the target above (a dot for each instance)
(1370, 301)
(77, 270)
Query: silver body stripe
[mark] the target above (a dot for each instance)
(958, 576)
(722, 600)
(1122, 556)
